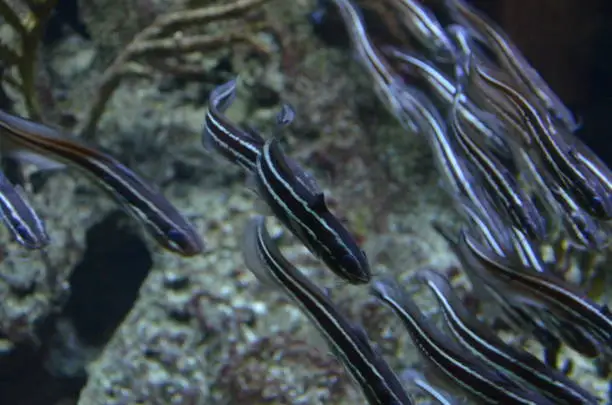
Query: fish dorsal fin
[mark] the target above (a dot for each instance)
(317, 203)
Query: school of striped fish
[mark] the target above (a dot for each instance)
(506, 152)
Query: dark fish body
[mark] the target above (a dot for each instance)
(558, 297)
(224, 137)
(20, 218)
(348, 342)
(307, 216)
(479, 340)
(148, 206)
(483, 383)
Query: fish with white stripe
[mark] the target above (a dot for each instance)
(300, 205)
(545, 291)
(557, 153)
(22, 221)
(347, 341)
(484, 344)
(504, 188)
(511, 59)
(447, 360)
(426, 29)
(386, 82)
(221, 135)
(147, 205)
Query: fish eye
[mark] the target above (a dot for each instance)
(175, 237)
(348, 262)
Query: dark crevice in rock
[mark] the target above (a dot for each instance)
(106, 282)
(104, 287)
(25, 381)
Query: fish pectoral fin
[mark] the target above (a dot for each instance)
(43, 163)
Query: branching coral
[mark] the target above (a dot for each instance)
(164, 45)
(29, 28)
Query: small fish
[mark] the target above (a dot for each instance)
(386, 81)
(519, 318)
(589, 160)
(464, 48)
(487, 97)
(576, 337)
(484, 384)
(583, 231)
(461, 180)
(148, 206)
(425, 27)
(527, 251)
(538, 182)
(557, 155)
(221, 135)
(480, 341)
(289, 193)
(348, 342)
(487, 127)
(513, 200)
(20, 218)
(511, 59)
(489, 224)
(545, 291)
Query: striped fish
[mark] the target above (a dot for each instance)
(347, 341)
(148, 206)
(590, 162)
(546, 291)
(511, 59)
(461, 180)
(489, 225)
(288, 191)
(426, 29)
(489, 99)
(484, 344)
(386, 82)
(224, 137)
(516, 316)
(464, 49)
(505, 190)
(583, 231)
(483, 383)
(557, 155)
(527, 251)
(572, 334)
(487, 127)
(20, 218)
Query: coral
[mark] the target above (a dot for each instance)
(166, 44)
(29, 26)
